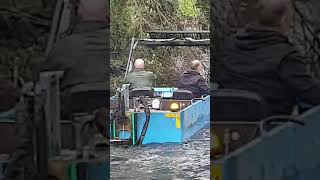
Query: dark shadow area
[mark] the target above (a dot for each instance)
(265, 66)
(54, 108)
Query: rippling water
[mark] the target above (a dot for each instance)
(163, 161)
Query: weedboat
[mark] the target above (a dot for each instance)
(163, 114)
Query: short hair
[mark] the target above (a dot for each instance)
(94, 4)
(93, 8)
(195, 64)
(271, 11)
(139, 63)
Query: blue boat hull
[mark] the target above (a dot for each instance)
(170, 127)
(289, 152)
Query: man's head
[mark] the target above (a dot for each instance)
(139, 64)
(277, 14)
(93, 10)
(196, 65)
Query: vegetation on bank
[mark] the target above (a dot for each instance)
(132, 18)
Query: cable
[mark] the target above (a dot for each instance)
(144, 102)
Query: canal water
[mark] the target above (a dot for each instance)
(163, 161)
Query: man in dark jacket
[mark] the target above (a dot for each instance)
(193, 81)
(262, 60)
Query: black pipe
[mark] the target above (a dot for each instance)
(146, 124)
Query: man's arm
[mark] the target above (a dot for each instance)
(59, 58)
(127, 80)
(203, 86)
(52, 63)
(293, 71)
(154, 76)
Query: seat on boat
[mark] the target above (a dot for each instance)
(237, 105)
(237, 113)
(182, 95)
(85, 98)
(137, 92)
(81, 99)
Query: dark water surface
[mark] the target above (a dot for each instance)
(163, 161)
